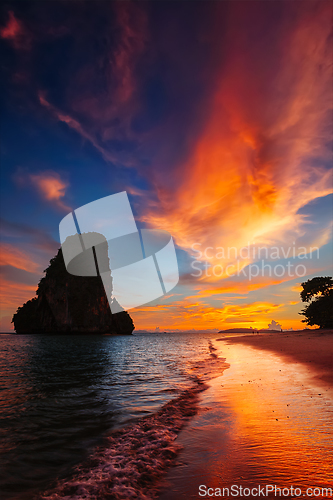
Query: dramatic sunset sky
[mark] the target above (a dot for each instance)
(215, 117)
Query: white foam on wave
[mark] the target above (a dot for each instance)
(135, 458)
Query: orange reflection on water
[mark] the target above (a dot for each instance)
(263, 422)
(282, 415)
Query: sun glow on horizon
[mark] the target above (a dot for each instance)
(218, 128)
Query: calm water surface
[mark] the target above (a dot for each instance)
(61, 398)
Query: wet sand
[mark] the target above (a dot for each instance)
(265, 421)
(311, 348)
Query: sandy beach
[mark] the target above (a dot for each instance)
(258, 423)
(312, 348)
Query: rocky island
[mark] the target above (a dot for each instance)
(66, 303)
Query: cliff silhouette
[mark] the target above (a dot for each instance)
(66, 303)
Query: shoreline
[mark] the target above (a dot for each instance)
(137, 456)
(312, 349)
(258, 422)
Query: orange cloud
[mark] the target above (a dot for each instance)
(15, 294)
(184, 314)
(242, 288)
(251, 169)
(12, 295)
(51, 187)
(11, 256)
(255, 164)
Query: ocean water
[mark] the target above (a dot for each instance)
(85, 414)
(99, 418)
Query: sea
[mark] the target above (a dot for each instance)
(99, 417)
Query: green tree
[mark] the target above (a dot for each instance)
(319, 293)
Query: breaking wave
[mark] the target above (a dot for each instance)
(134, 459)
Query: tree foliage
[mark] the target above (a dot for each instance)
(316, 286)
(319, 292)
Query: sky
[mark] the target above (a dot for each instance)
(215, 118)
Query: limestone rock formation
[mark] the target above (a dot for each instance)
(70, 304)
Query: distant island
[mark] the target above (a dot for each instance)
(250, 330)
(272, 327)
(66, 303)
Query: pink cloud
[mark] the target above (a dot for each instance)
(15, 33)
(51, 187)
(13, 29)
(250, 170)
(12, 256)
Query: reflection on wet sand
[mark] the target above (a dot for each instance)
(265, 421)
